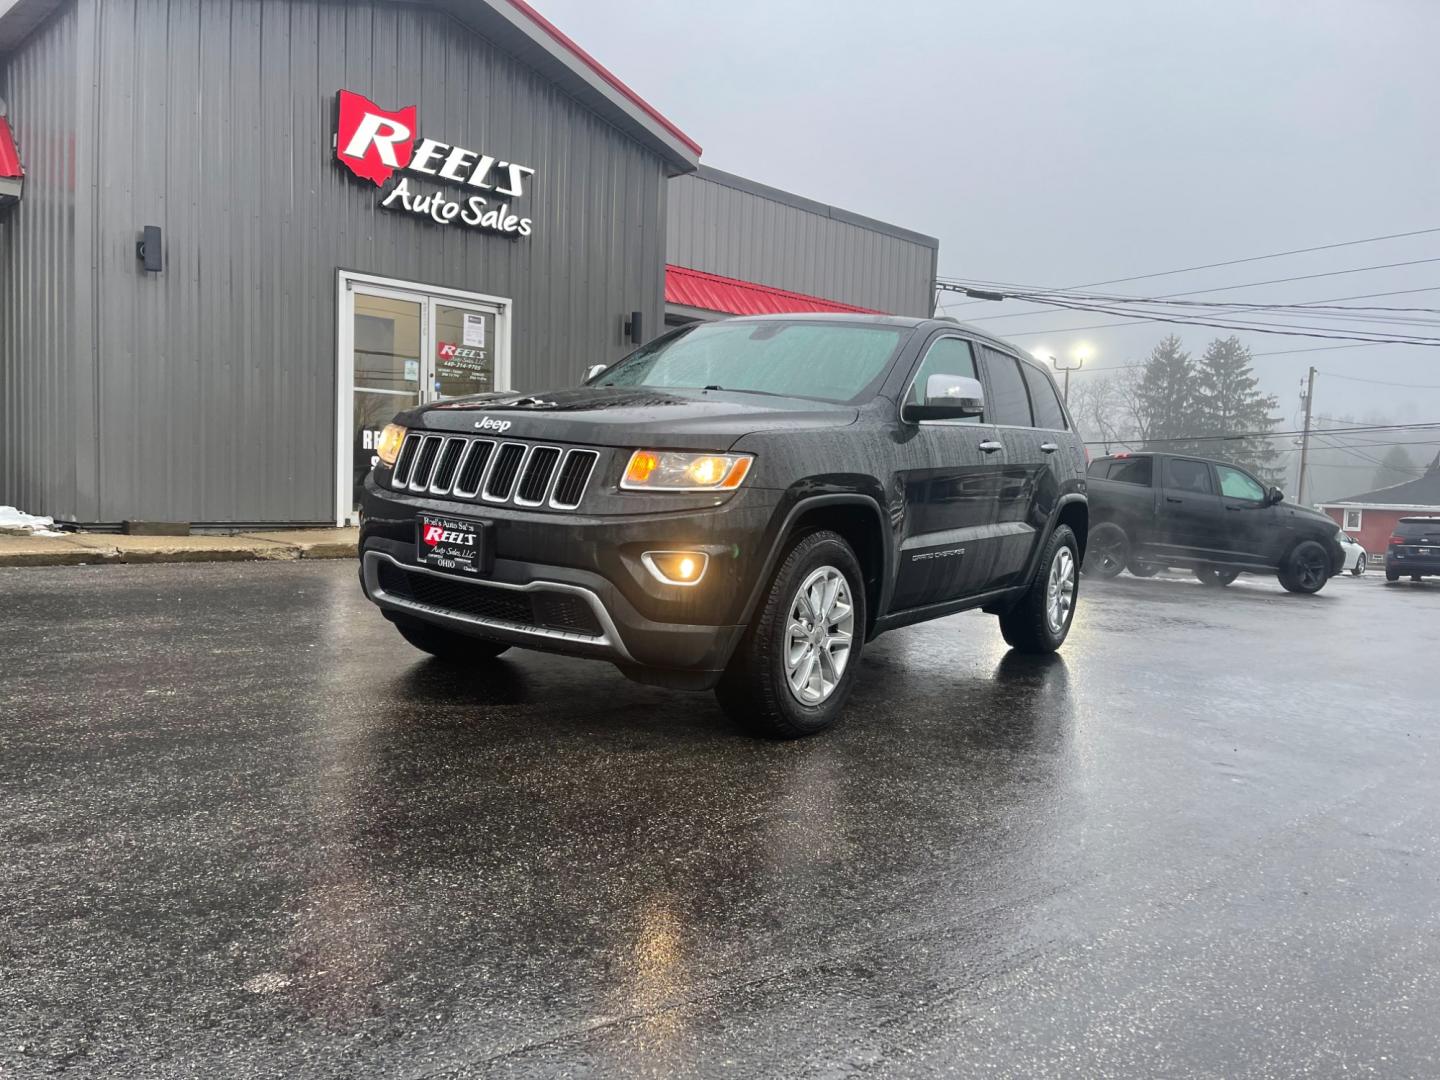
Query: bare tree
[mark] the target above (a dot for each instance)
(1109, 409)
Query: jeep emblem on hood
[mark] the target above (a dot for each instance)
(485, 423)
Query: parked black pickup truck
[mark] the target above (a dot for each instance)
(1152, 511)
(739, 505)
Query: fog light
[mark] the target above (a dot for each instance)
(676, 567)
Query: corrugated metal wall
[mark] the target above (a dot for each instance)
(214, 120)
(46, 378)
(795, 244)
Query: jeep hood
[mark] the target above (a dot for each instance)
(629, 416)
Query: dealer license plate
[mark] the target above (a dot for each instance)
(454, 545)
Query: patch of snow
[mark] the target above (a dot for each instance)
(17, 523)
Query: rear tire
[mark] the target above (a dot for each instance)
(793, 670)
(1042, 618)
(449, 646)
(1391, 575)
(1305, 569)
(1107, 550)
(1214, 577)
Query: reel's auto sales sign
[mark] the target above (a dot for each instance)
(375, 144)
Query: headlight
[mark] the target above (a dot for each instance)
(387, 449)
(661, 470)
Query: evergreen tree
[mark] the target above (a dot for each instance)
(1227, 401)
(1165, 399)
(1396, 467)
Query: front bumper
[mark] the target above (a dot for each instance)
(582, 578)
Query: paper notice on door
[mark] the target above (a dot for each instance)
(475, 331)
(412, 370)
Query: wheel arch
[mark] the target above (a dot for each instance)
(1074, 511)
(856, 517)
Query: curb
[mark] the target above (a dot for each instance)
(83, 550)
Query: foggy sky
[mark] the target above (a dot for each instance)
(1057, 143)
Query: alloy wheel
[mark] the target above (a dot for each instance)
(1312, 569)
(1060, 590)
(818, 635)
(1109, 555)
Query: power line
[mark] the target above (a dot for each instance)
(1250, 259)
(1430, 425)
(1268, 352)
(1043, 296)
(1323, 333)
(1381, 382)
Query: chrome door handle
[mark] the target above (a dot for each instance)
(989, 446)
(1048, 448)
(1171, 498)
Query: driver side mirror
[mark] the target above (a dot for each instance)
(1274, 496)
(592, 371)
(947, 397)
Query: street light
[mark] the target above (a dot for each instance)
(1075, 362)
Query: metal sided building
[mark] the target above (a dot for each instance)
(735, 247)
(236, 236)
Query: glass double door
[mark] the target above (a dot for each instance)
(408, 348)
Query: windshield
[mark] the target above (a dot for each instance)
(828, 361)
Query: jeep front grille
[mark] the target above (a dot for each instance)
(523, 474)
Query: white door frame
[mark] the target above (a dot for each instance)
(346, 284)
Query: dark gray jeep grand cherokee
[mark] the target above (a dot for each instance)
(738, 505)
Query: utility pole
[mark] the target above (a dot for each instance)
(1305, 436)
(1073, 363)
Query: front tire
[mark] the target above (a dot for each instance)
(1042, 618)
(1107, 550)
(793, 670)
(1214, 577)
(1359, 567)
(447, 645)
(1305, 569)
(1144, 569)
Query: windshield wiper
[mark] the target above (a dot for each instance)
(743, 390)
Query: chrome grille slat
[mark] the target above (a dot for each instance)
(509, 466)
(472, 469)
(533, 486)
(425, 462)
(406, 461)
(572, 478)
(447, 464)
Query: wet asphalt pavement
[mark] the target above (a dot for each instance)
(246, 831)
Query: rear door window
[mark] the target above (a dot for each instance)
(1132, 471)
(1043, 399)
(1185, 474)
(1009, 404)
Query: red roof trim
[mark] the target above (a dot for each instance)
(600, 69)
(10, 167)
(713, 292)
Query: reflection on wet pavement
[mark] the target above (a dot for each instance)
(247, 831)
